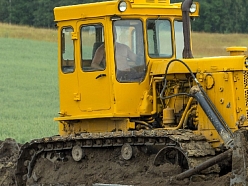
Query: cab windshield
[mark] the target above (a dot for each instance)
(129, 50)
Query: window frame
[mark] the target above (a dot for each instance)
(134, 42)
(156, 45)
(66, 64)
(97, 37)
(177, 49)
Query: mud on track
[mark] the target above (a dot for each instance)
(99, 167)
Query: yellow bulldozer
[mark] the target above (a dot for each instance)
(128, 82)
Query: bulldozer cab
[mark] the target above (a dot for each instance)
(120, 50)
(105, 55)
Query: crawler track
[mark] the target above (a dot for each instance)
(195, 147)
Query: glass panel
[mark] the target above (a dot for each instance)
(159, 38)
(129, 50)
(92, 46)
(178, 25)
(68, 62)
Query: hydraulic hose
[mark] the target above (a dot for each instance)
(165, 80)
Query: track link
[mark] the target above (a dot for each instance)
(195, 147)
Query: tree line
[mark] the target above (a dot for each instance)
(219, 16)
(37, 13)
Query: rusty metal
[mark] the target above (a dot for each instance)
(205, 165)
(172, 154)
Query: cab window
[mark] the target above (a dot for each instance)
(159, 38)
(129, 50)
(179, 39)
(67, 48)
(92, 48)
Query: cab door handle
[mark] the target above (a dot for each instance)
(101, 75)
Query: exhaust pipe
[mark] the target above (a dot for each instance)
(187, 52)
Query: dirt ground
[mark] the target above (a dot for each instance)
(99, 167)
(8, 156)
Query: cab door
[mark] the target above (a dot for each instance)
(94, 83)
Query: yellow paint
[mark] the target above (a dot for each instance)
(94, 101)
(234, 51)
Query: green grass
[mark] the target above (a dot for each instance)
(28, 89)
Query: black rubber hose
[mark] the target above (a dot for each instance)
(165, 81)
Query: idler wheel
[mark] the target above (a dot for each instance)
(77, 153)
(126, 151)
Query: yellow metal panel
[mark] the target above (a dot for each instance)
(163, 2)
(95, 87)
(95, 125)
(222, 91)
(68, 86)
(211, 64)
(95, 93)
(226, 90)
(82, 11)
(128, 97)
(68, 89)
(234, 51)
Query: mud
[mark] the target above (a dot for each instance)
(99, 166)
(8, 156)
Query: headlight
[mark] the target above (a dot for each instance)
(193, 8)
(122, 6)
(246, 62)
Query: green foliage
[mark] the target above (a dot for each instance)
(37, 13)
(4, 11)
(223, 16)
(28, 89)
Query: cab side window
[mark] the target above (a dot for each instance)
(159, 38)
(67, 48)
(179, 38)
(92, 48)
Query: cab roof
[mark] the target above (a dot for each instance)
(108, 8)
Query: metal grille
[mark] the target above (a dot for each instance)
(245, 73)
(245, 77)
(246, 98)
